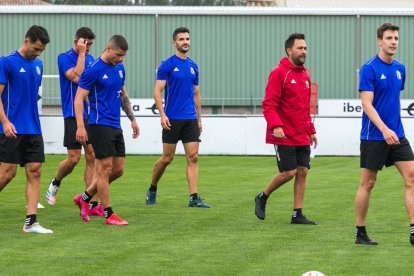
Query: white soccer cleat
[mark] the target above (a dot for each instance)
(36, 228)
(51, 194)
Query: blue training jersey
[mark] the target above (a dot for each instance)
(386, 81)
(22, 79)
(104, 83)
(66, 61)
(181, 76)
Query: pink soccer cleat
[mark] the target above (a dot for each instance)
(83, 207)
(97, 211)
(115, 220)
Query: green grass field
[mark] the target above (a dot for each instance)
(228, 239)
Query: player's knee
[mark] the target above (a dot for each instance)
(192, 159)
(368, 184)
(34, 173)
(9, 175)
(117, 172)
(166, 160)
(73, 160)
(302, 171)
(289, 174)
(409, 181)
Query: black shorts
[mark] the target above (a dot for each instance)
(23, 149)
(69, 139)
(106, 141)
(290, 157)
(184, 130)
(376, 154)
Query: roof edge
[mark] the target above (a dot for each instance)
(237, 10)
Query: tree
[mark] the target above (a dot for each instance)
(152, 2)
(93, 2)
(186, 2)
(207, 2)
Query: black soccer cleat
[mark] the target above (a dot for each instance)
(412, 239)
(302, 220)
(364, 239)
(260, 209)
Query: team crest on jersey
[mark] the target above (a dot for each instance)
(307, 84)
(38, 70)
(398, 74)
(121, 74)
(192, 70)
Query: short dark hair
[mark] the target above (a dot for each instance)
(386, 27)
(291, 40)
(119, 42)
(180, 30)
(35, 33)
(84, 32)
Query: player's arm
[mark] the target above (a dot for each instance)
(158, 88)
(271, 102)
(197, 100)
(314, 139)
(81, 135)
(313, 134)
(8, 127)
(389, 136)
(74, 73)
(126, 107)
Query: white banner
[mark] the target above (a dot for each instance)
(353, 108)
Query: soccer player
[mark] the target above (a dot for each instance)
(383, 140)
(71, 65)
(181, 117)
(286, 108)
(21, 140)
(104, 82)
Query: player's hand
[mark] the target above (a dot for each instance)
(9, 130)
(82, 45)
(390, 137)
(135, 129)
(314, 140)
(200, 126)
(81, 135)
(165, 122)
(278, 133)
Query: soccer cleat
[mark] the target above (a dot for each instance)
(260, 208)
(151, 198)
(364, 239)
(36, 228)
(115, 220)
(101, 210)
(412, 239)
(51, 194)
(302, 220)
(96, 211)
(83, 207)
(197, 202)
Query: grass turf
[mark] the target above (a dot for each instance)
(172, 239)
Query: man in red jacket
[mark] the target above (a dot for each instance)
(286, 107)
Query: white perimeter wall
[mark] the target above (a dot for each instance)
(241, 135)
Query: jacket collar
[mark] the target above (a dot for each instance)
(285, 62)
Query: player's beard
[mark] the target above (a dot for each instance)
(299, 60)
(182, 50)
(29, 55)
